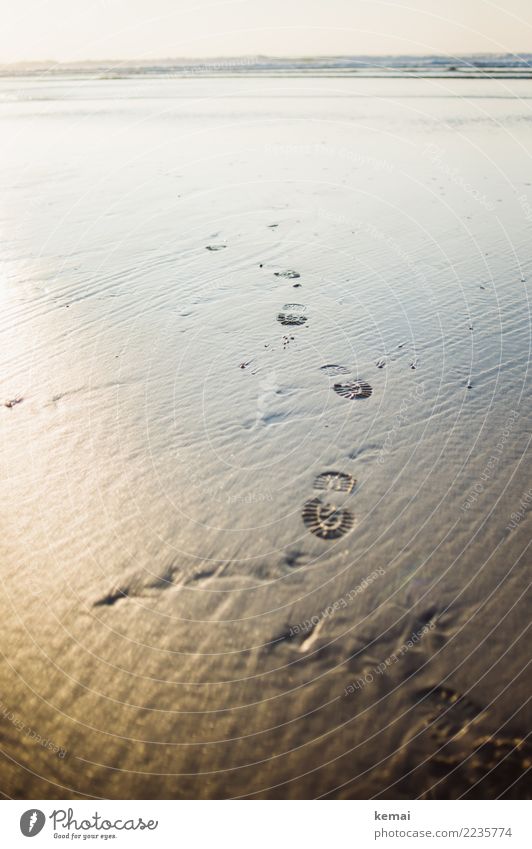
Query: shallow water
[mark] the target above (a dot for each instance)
(172, 625)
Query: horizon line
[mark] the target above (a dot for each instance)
(293, 56)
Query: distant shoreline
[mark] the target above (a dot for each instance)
(410, 74)
(474, 66)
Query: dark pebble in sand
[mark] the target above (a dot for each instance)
(325, 520)
(12, 402)
(289, 274)
(353, 390)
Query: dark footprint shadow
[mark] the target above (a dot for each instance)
(353, 390)
(147, 586)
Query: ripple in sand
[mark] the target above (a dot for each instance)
(325, 520)
(335, 481)
(290, 274)
(353, 389)
(215, 247)
(333, 369)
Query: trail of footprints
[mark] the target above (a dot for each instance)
(323, 518)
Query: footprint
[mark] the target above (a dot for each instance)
(289, 274)
(487, 767)
(292, 314)
(334, 369)
(290, 634)
(450, 712)
(334, 481)
(326, 520)
(112, 597)
(353, 389)
(143, 585)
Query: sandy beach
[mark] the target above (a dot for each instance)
(266, 492)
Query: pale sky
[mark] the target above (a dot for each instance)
(68, 30)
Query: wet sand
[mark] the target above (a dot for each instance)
(266, 403)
